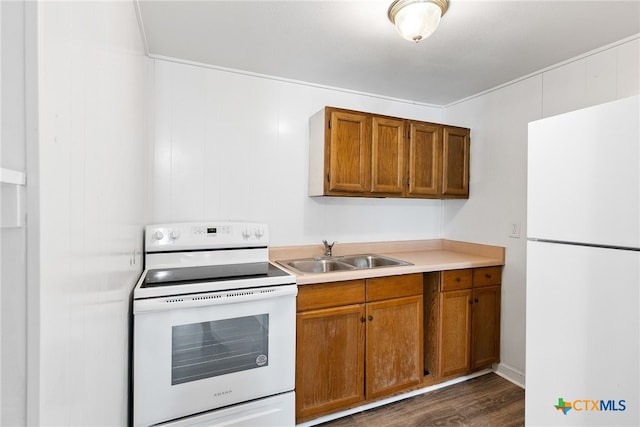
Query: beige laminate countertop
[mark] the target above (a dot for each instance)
(425, 255)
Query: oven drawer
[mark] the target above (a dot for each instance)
(275, 411)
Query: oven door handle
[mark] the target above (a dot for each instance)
(212, 298)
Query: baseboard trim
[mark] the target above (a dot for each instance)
(392, 399)
(510, 373)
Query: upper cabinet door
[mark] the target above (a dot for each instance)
(455, 162)
(387, 158)
(424, 155)
(348, 152)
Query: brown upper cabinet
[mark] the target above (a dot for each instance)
(361, 154)
(455, 161)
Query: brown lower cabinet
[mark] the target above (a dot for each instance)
(462, 320)
(357, 341)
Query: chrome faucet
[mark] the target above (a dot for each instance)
(327, 247)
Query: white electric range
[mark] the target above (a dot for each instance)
(214, 329)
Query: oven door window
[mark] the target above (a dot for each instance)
(220, 347)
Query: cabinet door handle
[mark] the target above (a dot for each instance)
(470, 301)
(362, 319)
(370, 318)
(475, 300)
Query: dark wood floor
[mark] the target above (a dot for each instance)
(488, 400)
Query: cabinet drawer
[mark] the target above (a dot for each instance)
(381, 288)
(487, 276)
(324, 295)
(454, 280)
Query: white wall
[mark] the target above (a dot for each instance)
(13, 294)
(498, 121)
(1, 401)
(235, 146)
(88, 180)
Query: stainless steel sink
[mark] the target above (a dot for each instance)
(340, 263)
(316, 265)
(371, 261)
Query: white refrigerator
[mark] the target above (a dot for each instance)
(583, 268)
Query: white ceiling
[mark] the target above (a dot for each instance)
(352, 45)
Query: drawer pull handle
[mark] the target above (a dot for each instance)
(458, 279)
(488, 276)
(370, 318)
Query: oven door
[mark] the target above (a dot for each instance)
(195, 353)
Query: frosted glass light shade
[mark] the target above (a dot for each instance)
(416, 19)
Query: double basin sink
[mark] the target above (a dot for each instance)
(340, 263)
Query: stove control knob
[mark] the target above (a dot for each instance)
(158, 235)
(174, 235)
(246, 233)
(259, 232)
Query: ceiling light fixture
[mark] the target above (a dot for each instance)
(417, 19)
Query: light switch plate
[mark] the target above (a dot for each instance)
(514, 230)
